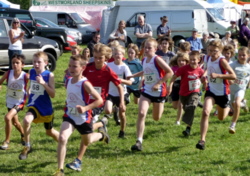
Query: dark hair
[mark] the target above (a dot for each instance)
(20, 57)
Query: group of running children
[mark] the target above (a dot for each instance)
(104, 83)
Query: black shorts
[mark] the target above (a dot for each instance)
(175, 91)
(116, 100)
(136, 93)
(47, 126)
(221, 101)
(16, 107)
(154, 99)
(85, 128)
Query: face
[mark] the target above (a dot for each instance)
(17, 64)
(122, 25)
(164, 44)
(39, 64)
(242, 57)
(99, 59)
(86, 53)
(16, 24)
(228, 35)
(205, 37)
(227, 54)
(118, 55)
(194, 60)
(194, 34)
(140, 20)
(75, 51)
(181, 62)
(97, 38)
(131, 53)
(75, 69)
(149, 49)
(214, 52)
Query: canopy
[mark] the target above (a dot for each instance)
(5, 3)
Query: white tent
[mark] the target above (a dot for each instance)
(11, 5)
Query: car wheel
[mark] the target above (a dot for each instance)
(60, 45)
(51, 62)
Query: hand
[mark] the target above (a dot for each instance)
(40, 80)
(122, 107)
(80, 109)
(156, 87)
(22, 34)
(214, 75)
(169, 90)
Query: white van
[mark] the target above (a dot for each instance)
(183, 16)
(71, 20)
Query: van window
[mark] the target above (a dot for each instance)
(65, 19)
(133, 21)
(77, 18)
(3, 32)
(215, 14)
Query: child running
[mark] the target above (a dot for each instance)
(156, 72)
(78, 114)
(177, 62)
(122, 71)
(238, 86)
(15, 97)
(42, 87)
(135, 66)
(218, 73)
(189, 88)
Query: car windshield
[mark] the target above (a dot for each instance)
(77, 18)
(215, 13)
(48, 22)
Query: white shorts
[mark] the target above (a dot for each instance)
(239, 93)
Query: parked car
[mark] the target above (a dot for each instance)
(31, 45)
(75, 34)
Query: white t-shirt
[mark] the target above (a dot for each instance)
(122, 72)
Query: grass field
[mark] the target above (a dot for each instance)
(165, 150)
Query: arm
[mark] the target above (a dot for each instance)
(50, 87)
(121, 94)
(12, 39)
(230, 76)
(168, 71)
(127, 82)
(4, 77)
(98, 99)
(138, 74)
(113, 35)
(171, 84)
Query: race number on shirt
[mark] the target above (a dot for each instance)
(99, 90)
(214, 80)
(73, 111)
(17, 94)
(36, 88)
(150, 78)
(240, 82)
(194, 84)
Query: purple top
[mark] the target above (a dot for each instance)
(244, 31)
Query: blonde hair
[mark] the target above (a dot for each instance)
(244, 49)
(151, 40)
(120, 48)
(77, 47)
(41, 54)
(79, 58)
(174, 61)
(185, 46)
(103, 49)
(15, 20)
(216, 43)
(135, 48)
(84, 50)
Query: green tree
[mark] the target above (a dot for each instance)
(24, 4)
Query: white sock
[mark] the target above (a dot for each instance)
(27, 144)
(140, 139)
(233, 124)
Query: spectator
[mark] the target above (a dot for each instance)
(234, 29)
(142, 30)
(205, 41)
(244, 33)
(163, 30)
(165, 53)
(227, 39)
(15, 40)
(120, 34)
(95, 39)
(195, 42)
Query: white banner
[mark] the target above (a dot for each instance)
(71, 2)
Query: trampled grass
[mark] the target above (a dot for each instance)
(165, 150)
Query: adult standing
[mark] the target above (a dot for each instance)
(195, 42)
(120, 34)
(205, 41)
(234, 29)
(142, 30)
(95, 39)
(163, 30)
(244, 33)
(15, 40)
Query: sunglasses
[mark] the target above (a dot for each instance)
(15, 22)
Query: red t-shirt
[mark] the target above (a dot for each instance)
(190, 79)
(100, 79)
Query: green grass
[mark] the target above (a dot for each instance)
(165, 150)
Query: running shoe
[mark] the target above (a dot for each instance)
(24, 154)
(137, 146)
(75, 165)
(200, 145)
(5, 145)
(59, 172)
(232, 130)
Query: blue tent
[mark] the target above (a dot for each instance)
(3, 4)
